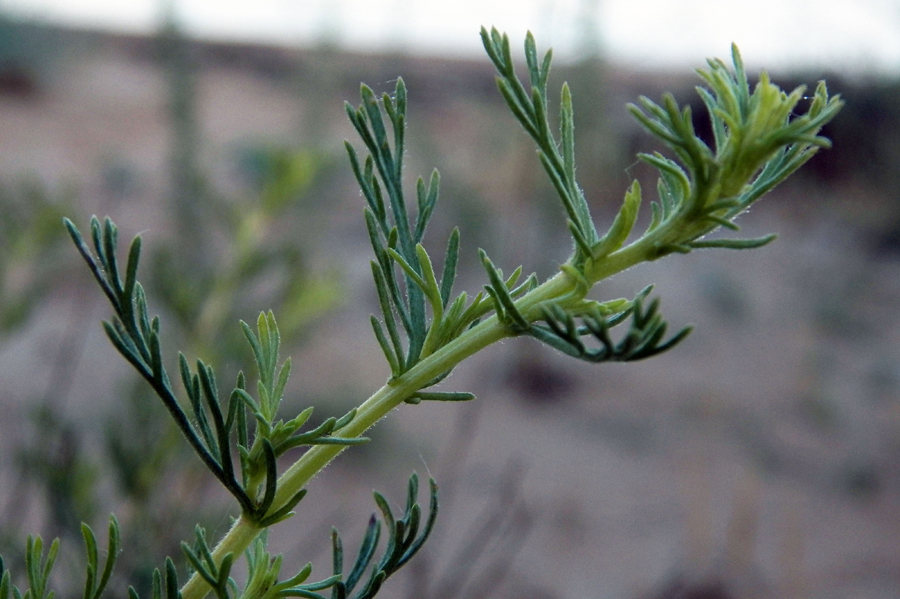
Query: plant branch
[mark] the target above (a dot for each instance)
(759, 141)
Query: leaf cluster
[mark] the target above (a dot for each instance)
(262, 576)
(404, 273)
(531, 109)
(406, 536)
(759, 140)
(405, 277)
(644, 338)
(415, 304)
(403, 542)
(38, 567)
(215, 429)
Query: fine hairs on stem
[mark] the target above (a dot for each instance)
(425, 328)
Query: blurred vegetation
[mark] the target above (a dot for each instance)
(32, 248)
(240, 253)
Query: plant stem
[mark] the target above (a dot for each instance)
(397, 390)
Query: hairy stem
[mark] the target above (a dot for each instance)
(397, 390)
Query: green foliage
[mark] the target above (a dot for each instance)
(31, 249)
(403, 543)
(532, 111)
(244, 255)
(140, 444)
(212, 431)
(761, 137)
(644, 338)
(396, 238)
(94, 586)
(206, 285)
(759, 142)
(38, 568)
(757, 145)
(263, 582)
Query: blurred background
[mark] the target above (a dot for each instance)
(760, 459)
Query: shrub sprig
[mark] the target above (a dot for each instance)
(426, 329)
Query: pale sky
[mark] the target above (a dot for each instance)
(861, 36)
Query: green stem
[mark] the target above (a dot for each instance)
(397, 390)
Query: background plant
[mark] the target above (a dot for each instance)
(756, 147)
(58, 463)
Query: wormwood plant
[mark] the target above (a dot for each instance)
(761, 136)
